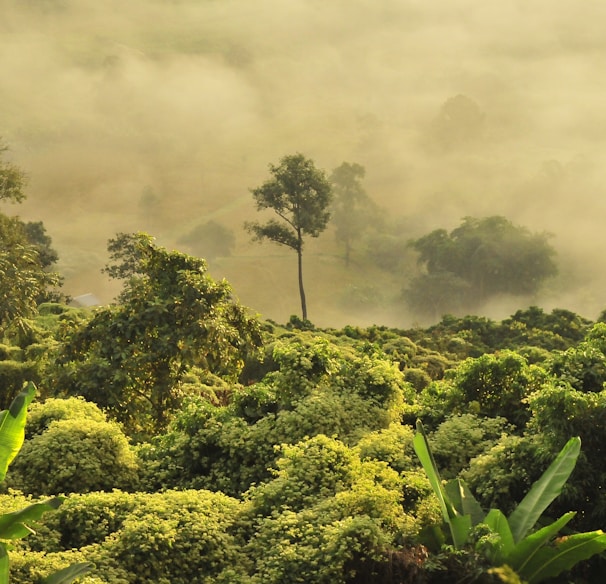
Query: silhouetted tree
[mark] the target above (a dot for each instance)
(460, 122)
(482, 257)
(300, 195)
(352, 208)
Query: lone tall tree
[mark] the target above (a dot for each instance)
(300, 195)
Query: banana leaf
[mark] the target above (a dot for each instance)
(496, 520)
(549, 561)
(69, 574)
(3, 564)
(459, 525)
(525, 550)
(14, 525)
(544, 491)
(12, 428)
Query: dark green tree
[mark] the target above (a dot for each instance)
(489, 256)
(300, 195)
(171, 315)
(352, 208)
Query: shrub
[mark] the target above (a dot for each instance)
(392, 445)
(42, 414)
(462, 437)
(503, 475)
(76, 455)
(177, 537)
(308, 472)
(29, 567)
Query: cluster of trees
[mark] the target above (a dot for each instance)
(480, 259)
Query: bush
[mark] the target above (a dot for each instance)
(306, 547)
(29, 567)
(502, 476)
(337, 392)
(462, 437)
(75, 456)
(84, 520)
(177, 537)
(392, 445)
(326, 516)
(308, 472)
(42, 414)
(138, 538)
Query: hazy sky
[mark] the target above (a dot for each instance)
(159, 115)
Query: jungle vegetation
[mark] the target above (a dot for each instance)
(195, 442)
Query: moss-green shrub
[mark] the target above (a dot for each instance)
(85, 520)
(293, 548)
(325, 515)
(174, 538)
(502, 476)
(462, 437)
(42, 414)
(75, 456)
(308, 472)
(29, 567)
(338, 393)
(392, 445)
(418, 378)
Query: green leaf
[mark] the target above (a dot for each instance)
(69, 574)
(523, 553)
(463, 500)
(551, 561)
(496, 520)
(421, 447)
(545, 490)
(3, 564)
(13, 525)
(12, 428)
(460, 525)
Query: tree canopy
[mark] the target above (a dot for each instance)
(171, 315)
(479, 259)
(300, 195)
(352, 208)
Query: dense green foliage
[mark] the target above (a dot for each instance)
(131, 357)
(477, 260)
(307, 473)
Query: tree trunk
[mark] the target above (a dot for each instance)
(301, 290)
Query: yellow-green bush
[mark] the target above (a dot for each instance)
(42, 414)
(75, 456)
